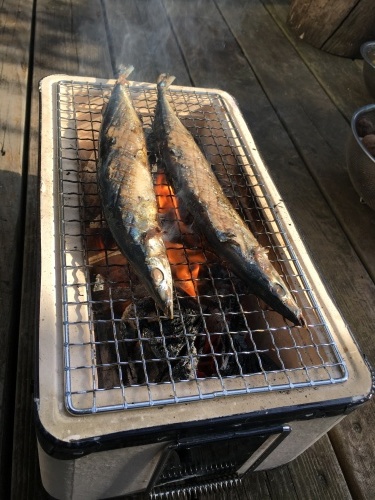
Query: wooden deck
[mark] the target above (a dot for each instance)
(297, 102)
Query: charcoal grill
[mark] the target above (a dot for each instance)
(154, 395)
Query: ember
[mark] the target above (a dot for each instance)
(184, 254)
(199, 341)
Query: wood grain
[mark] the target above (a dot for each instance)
(280, 484)
(358, 27)
(321, 471)
(316, 21)
(298, 113)
(300, 192)
(70, 38)
(285, 88)
(15, 33)
(340, 30)
(318, 131)
(340, 77)
(354, 444)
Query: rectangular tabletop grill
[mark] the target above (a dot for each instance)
(222, 340)
(227, 386)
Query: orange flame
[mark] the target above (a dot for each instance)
(185, 262)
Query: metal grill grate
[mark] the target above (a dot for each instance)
(120, 351)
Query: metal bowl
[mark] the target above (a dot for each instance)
(368, 54)
(360, 162)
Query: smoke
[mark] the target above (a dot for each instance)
(140, 34)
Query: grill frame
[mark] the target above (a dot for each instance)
(136, 440)
(76, 399)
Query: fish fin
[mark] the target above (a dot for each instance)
(123, 73)
(165, 80)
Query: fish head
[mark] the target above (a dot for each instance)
(160, 274)
(275, 291)
(284, 297)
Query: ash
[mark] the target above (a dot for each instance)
(157, 349)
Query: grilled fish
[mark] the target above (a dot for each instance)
(127, 194)
(198, 189)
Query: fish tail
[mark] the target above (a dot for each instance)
(123, 73)
(165, 80)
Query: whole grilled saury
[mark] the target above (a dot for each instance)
(198, 189)
(127, 194)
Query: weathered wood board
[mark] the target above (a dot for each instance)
(298, 113)
(340, 30)
(340, 77)
(354, 443)
(318, 130)
(15, 34)
(70, 38)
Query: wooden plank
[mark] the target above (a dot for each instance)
(224, 65)
(350, 286)
(354, 443)
(69, 38)
(316, 21)
(317, 127)
(357, 28)
(313, 217)
(320, 466)
(365, 420)
(81, 65)
(339, 30)
(15, 31)
(280, 484)
(340, 77)
(141, 35)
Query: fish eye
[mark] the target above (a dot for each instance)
(157, 276)
(279, 289)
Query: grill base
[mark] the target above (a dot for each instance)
(101, 475)
(320, 371)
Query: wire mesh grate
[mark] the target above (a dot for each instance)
(120, 351)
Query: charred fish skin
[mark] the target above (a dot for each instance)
(127, 194)
(199, 191)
